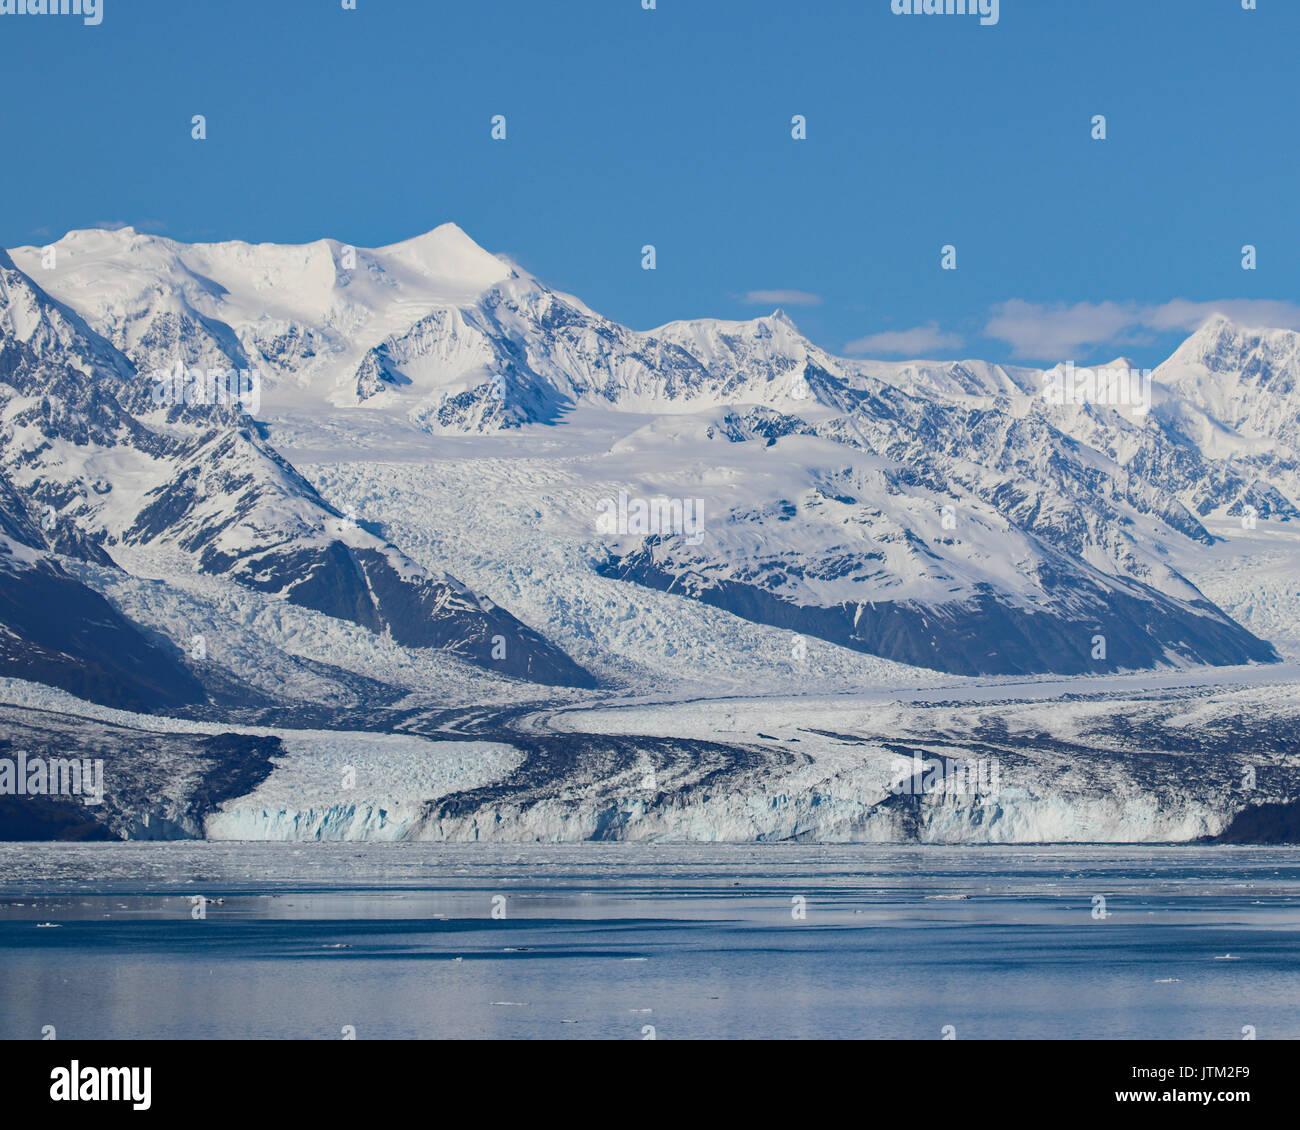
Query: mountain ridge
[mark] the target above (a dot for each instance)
(976, 495)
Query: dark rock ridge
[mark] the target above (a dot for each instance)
(985, 635)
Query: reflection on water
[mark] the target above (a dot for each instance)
(613, 941)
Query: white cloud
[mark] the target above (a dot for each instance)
(1251, 313)
(1053, 332)
(916, 342)
(781, 298)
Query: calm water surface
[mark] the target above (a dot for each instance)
(611, 941)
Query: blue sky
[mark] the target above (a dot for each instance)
(673, 127)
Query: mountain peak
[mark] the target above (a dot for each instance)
(1215, 343)
(443, 233)
(447, 252)
(1216, 322)
(1221, 335)
(1216, 328)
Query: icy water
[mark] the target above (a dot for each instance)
(625, 941)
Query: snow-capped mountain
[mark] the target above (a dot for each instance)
(1246, 381)
(707, 508)
(945, 515)
(306, 316)
(104, 474)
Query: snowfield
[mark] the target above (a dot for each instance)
(530, 539)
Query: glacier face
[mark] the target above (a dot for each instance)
(1121, 763)
(356, 786)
